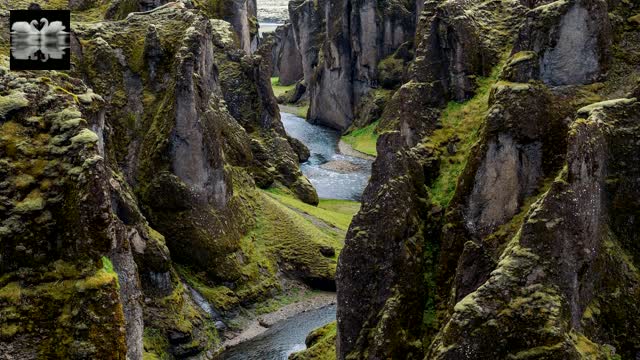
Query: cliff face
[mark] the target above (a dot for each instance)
(242, 14)
(498, 231)
(136, 173)
(341, 45)
(287, 61)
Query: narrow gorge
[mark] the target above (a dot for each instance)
(323, 179)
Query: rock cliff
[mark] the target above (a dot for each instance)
(493, 226)
(287, 61)
(342, 44)
(131, 191)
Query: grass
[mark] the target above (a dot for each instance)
(463, 120)
(278, 89)
(292, 296)
(337, 213)
(300, 109)
(295, 109)
(363, 140)
(282, 241)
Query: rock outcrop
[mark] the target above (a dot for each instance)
(242, 14)
(341, 44)
(136, 172)
(287, 62)
(497, 230)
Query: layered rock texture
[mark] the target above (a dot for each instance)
(500, 221)
(287, 62)
(133, 180)
(346, 50)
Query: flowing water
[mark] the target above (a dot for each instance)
(284, 338)
(287, 336)
(323, 145)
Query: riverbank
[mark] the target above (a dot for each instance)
(348, 150)
(262, 323)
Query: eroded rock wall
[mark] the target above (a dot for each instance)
(341, 44)
(514, 188)
(105, 195)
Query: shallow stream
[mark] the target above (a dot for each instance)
(323, 145)
(284, 338)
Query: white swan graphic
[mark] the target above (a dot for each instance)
(26, 52)
(55, 28)
(25, 28)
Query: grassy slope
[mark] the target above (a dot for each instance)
(283, 239)
(463, 120)
(363, 140)
(337, 213)
(299, 109)
(278, 89)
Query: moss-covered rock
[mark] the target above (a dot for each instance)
(321, 344)
(535, 280)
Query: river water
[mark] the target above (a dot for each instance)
(284, 338)
(323, 145)
(287, 336)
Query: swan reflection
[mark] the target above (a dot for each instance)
(36, 47)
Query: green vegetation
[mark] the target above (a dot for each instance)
(337, 213)
(14, 101)
(290, 296)
(322, 344)
(279, 90)
(297, 110)
(460, 121)
(283, 240)
(155, 345)
(363, 140)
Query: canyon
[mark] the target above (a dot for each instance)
(463, 174)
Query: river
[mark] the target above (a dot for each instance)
(287, 336)
(284, 338)
(322, 142)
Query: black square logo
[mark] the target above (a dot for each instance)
(40, 39)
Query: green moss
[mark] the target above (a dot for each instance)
(85, 136)
(605, 104)
(103, 277)
(282, 241)
(521, 56)
(156, 345)
(279, 90)
(7, 331)
(33, 202)
(299, 110)
(322, 343)
(11, 293)
(391, 71)
(364, 140)
(291, 296)
(461, 120)
(12, 102)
